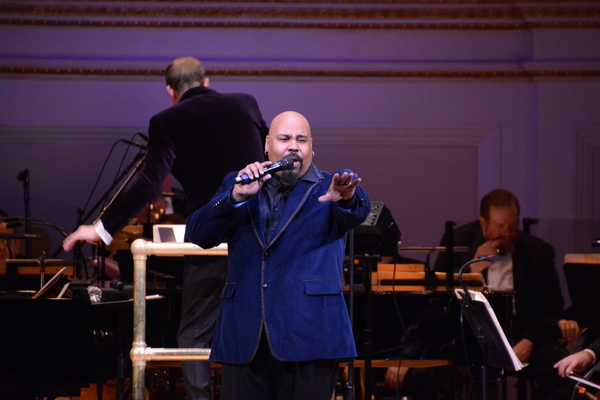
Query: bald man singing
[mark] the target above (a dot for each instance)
(283, 324)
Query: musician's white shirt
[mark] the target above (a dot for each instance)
(500, 274)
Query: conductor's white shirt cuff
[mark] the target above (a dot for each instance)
(103, 233)
(592, 354)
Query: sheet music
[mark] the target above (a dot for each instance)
(64, 289)
(480, 297)
(49, 284)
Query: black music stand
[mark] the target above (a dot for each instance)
(23, 176)
(377, 236)
(582, 276)
(497, 352)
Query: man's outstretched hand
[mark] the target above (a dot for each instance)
(84, 232)
(341, 188)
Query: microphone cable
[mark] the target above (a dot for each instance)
(129, 146)
(99, 176)
(108, 157)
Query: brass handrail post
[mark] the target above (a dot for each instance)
(140, 353)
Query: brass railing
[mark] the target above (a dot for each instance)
(140, 353)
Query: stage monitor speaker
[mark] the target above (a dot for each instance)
(378, 234)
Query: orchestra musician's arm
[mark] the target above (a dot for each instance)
(580, 361)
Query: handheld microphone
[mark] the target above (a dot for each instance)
(491, 258)
(131, 143)
(283, 164)
(142, 136)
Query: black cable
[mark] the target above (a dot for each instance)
(14, 222)
(129, 145)
(99, 175)
(104, 167)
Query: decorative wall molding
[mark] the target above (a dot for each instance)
(300, 25)
(373, 14)
(310, 73)
(587, 143)
(325, 2)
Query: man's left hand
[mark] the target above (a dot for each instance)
(341, 188)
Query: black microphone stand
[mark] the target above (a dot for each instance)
(369, 265)
(450, 255)
(133, 167)
(23, 176)
(350, 383)
(467, 299)
(82, 217)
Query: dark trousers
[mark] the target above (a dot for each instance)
(203, 281)
(541, 369)
(266, 378)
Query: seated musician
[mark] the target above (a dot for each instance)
(528, 269)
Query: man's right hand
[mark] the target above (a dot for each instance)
(84, 232)
(577, 362)
(241, 192)
(489, 248)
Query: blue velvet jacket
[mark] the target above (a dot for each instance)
(291, 286)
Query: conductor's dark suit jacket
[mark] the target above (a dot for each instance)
(538, 299)
(200, 139)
